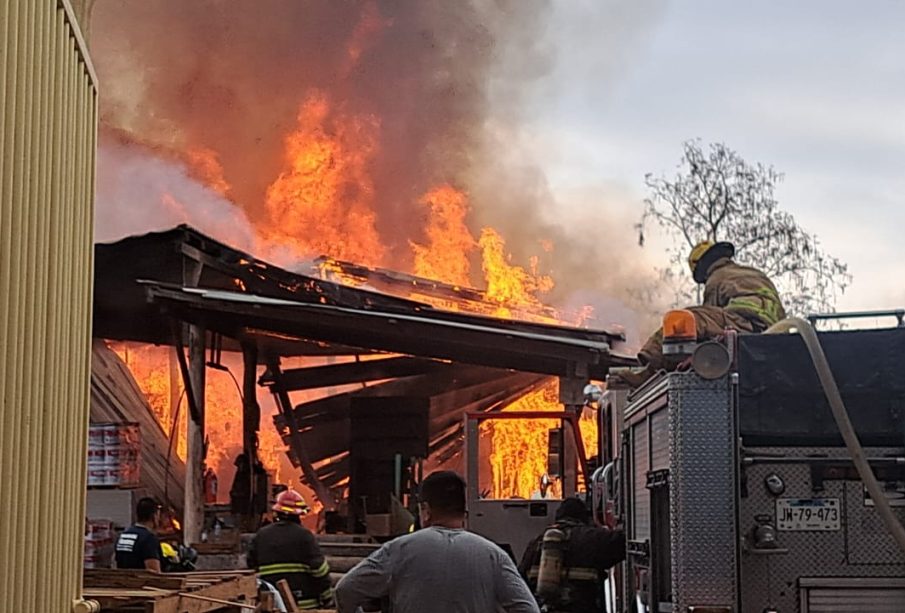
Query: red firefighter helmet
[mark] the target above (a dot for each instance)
(291, 503)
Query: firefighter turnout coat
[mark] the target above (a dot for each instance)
(590, 551)
(286, 550)
(736, 297)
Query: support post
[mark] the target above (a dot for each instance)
(171, 427)
(194, 373)
(251, 413)
(251, 424)
(194, 464)
(571, 395)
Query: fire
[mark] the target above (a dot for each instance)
(313, 209)
(518, 448)
(322, 203)
(445, 257)
(157, 375)
(159, 379)
(512, 287)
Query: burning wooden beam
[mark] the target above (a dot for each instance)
(297, 379)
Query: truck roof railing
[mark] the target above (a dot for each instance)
(899, 314)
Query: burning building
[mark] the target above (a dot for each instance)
(414, 363)
(360, 147)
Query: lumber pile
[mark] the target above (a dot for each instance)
(121, 591)
(116, 397)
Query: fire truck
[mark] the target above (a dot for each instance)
(767, 475)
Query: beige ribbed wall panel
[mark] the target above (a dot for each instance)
(48, 119)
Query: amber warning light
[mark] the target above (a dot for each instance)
(680, 333)
(679, 326)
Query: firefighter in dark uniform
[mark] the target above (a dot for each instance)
(736, 297)
(586, 553)
(287, 550)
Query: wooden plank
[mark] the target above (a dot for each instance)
(266, 601)
(111, 578)
(242, 588)
(342, 564)
(201, 592)
(229, 603)
(314, 377)
(116, 592)
(193, 511)
(288, 598)
(213, 573)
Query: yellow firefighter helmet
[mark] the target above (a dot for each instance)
(169, 552)
(704, 254)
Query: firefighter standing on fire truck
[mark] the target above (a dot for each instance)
(287, 550)
(735, 298)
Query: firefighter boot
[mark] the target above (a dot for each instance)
(636, 377)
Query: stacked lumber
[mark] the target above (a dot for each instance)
(116, 398)
(119, 591)
(344, 551)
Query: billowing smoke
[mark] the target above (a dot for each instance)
(206, 92)
(229, 77)
(141, 190)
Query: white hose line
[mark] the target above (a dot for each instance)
(855, 450)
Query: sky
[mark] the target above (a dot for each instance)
(814, 87)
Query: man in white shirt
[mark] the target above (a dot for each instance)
(441, 568)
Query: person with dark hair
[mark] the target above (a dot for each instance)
(287, 550)
(440, 568)
(138, 547)
(587, 552)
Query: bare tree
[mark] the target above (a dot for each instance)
(717, 195)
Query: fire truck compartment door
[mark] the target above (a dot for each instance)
(511, 523)
(874, 594)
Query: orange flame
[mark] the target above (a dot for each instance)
(158, 377)
(321, 204)
(518, 455)
(449, 242)
(508, 285)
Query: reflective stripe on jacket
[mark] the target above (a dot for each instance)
(291, 567)
(744, 290)
(286, 550)
(590, 551)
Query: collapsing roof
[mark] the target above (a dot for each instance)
(466, 340)
(184, 257)
(475, 362)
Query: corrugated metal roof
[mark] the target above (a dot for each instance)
(423, 334)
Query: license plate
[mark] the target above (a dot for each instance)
(808, 514)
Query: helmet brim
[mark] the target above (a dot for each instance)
(717, 252)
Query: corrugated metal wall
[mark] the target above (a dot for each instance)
(48, 117)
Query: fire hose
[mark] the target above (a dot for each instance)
(840, 415)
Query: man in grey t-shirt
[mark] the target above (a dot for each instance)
(439, 569)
